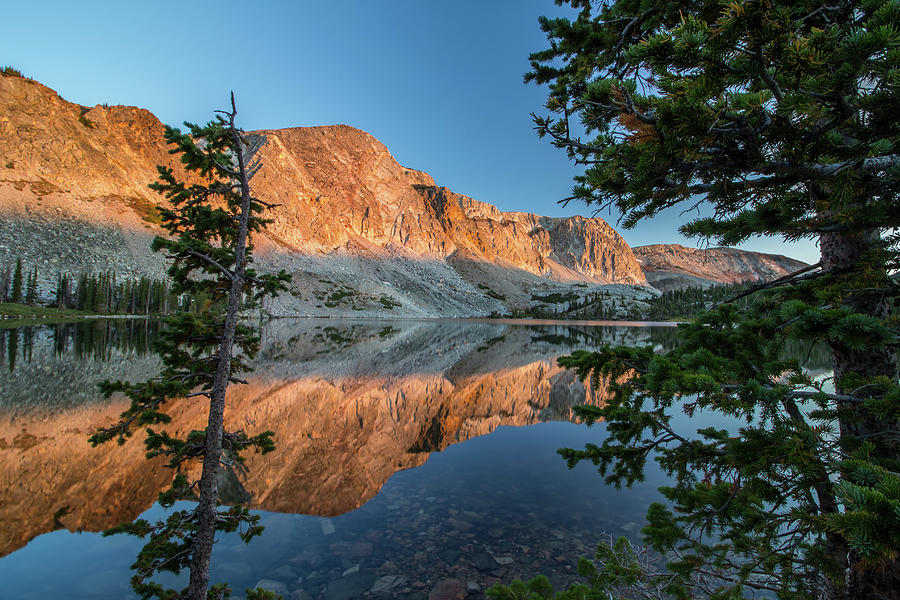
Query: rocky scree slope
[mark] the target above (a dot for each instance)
(360, 233)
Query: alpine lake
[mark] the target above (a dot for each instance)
(414, 459)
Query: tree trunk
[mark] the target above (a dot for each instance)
(209, 492)
(843, 252)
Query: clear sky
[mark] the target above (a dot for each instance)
(438, 82)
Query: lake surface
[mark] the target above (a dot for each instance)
(408, 452)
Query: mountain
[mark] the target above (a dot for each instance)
(358, 231)
(671, 266)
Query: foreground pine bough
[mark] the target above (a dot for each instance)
(780, 119)
(212, 218)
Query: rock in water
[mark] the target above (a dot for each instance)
(327, 527)
(347, 588)
(448, 589)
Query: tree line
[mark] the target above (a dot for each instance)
(100, 293)
(690, 301)
(14, 287)
(682, 303)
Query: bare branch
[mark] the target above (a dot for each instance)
(209, 260)
(789, 278)
(803, 394)
(771, 83)
(228, 170)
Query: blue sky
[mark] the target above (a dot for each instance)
(439, 83)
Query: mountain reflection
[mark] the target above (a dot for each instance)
(350, 403)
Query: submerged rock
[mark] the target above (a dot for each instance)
(482, 561)
(448, 589)
(386, 583)
(327, 527)
(349, 587)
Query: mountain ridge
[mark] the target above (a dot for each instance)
(673, 266)
(74, 198)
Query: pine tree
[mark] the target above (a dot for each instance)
(59, 294)
(82, 293)
(772, 118)
(132, 289)
(16, 292)
(210, 226)
(31, 288)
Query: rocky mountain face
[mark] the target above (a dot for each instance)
(74, 198)
(672, 266)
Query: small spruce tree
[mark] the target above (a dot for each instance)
(59, 295)
(16, 292)
(31, 288)
(210, 226)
